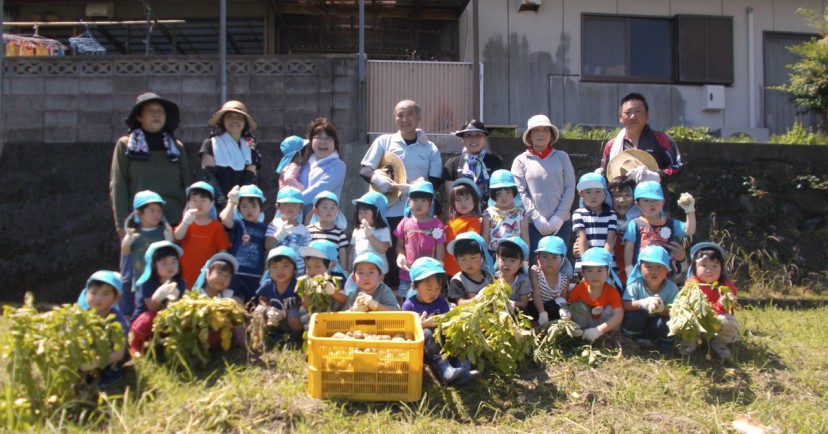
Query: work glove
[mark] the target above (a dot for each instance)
(402, 262)
(329, 288)
(592, 334)
(260, 310)
(687, 203)
(543, 318)
(167, 291)
(283, 233)
(656, 305)
(129, 238)
(233, 195)
(565, 314)
(541, 224)
(427, 321)
(382, 182)
(560, 301)
(274, 316)
(365, 301)
(403, 188)
(555, 224)
(189, 217)
(641, 174)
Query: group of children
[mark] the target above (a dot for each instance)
(625, 248)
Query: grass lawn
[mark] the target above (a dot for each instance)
(779, 377)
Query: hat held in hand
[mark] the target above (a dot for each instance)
(628, 160)
(391, 166)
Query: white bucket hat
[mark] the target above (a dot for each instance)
(540, 121)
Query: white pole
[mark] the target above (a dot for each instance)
(751, 67)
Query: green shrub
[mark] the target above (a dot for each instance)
(578, 132)
(682, 133)
(799, 135)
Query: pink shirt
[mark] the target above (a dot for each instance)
(421, 239)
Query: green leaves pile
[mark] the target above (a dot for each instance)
(44, 352)
(550, 339)
(183, 328)
(691, 314)
(315, 288)
(486, 332)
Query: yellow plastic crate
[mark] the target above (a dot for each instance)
(341, 368)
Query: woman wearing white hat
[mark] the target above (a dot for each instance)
(545, 180)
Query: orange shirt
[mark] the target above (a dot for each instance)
(455, 227)
(200, 243)
(609, 296)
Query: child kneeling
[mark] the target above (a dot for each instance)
(277, 295)
(428, 278)
(103, 289)
(602, 312)
(214, 282)
(648, 292)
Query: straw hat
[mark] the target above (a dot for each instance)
(628, 160)
(391, 166)
(235, 107)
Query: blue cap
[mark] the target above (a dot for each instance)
(251, 190)
(596, 257)
(148, 258)
(290, 146)
(325, 195)
(551, 244)
(501, 179)
(373, 198)
(146, 197)
(204, 186)
(424, 267)
(488, 264)
(466, 181)
(372, 258)
(339, 221)
(706, 245)
(322, 249)
(591, 180)
(289, 195)
(649, 190)
(421, 186)
(654, 254)
(111, 278)
(226, 257)
(518, 241)
(283, 251)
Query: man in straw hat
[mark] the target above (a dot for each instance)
(420, 158)
(637, 134)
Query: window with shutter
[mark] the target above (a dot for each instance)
(704, 49)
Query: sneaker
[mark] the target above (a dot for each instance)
(721, 349)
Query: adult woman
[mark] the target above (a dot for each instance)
(229, 157)
(149, 158)
(474, 162)
(545, 180)
(324, 170)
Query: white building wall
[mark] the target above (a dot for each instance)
(532, 62)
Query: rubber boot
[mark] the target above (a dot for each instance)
(447, 373)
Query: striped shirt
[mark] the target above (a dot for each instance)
(596, 226)
(334, 235)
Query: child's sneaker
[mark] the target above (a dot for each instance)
(687, 348)
(721, 349)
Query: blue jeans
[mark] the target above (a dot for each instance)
(638, 323)
(564, 233)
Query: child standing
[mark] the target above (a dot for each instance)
(708, 271)
(286, 228)
(371, 232)
(428, 278)
(328, 223)
(293, 158)
(550, 285)
(102, 291)
(160, 283)
(464, 198)
(602, 310)
(277, 295)
(647, 293)
(144, 226)
(621, 189)
(244, 217)
(419, 234)
(200, 234)
(372, 293)
(505, 216)
(511, 252)
(653, 228)
(475, 267)
(594, 223)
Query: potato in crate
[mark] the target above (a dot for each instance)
(373, 356)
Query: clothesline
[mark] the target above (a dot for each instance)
(17, 45)
(86, 23)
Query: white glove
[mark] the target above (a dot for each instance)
(427, 322)
(167, 291)
(644, 304)
(283, 233)
(555, 224)
(592, 334)
(687, 203)
(565, 314)
(402, 262)
(382, 182)
(189, 217)
(329, 288)
(543, 318)
(129, 238)
(597, 310)
(560, 301)
(628, 269)
(365, 301)
(403, 188)
(233, 195)
(541, 224)
(641, 174)
(260, 310)
(274, 316)
(655, 305)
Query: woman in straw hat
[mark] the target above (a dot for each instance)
(149, 158)
(229, 157)
(545, 180)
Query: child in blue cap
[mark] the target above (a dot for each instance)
(429, 277)
(287, 229)
(476, 267)
(371, 294)
(278, 299)
(604, 311)
(505, 217)
(244, 218)
(199, 233)
(321, 258)
(294, 154)
(371, 232)
(102, 291)
(214, 282)
(550, 285)
(419, 233)
(645, 298)
(328, 223)
(653, 227)
(594, 224)
(511, 252)
(144, 226)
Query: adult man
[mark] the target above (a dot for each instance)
(637, 134)
(421, 159)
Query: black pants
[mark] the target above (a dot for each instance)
(637, 323)
(392, 279)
